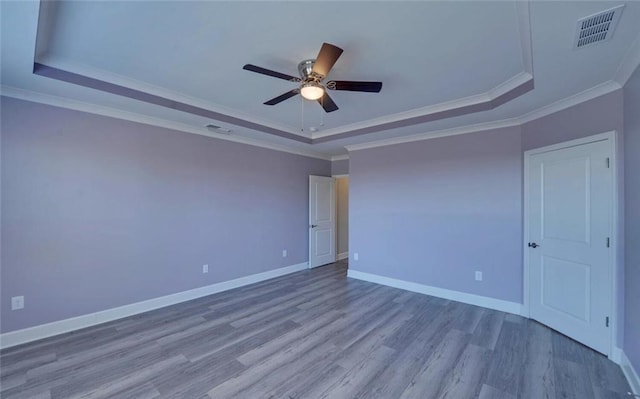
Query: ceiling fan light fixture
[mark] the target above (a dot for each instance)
(312, 91)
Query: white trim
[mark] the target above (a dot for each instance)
(25, 335)
(573, 143)
(343, 255)
(339, 157)
(75, 105)
(573, 100)
(630, 62)
(472, 299)
(509, 84)
(616, 355)
(610, 137)
(483, 98)
(630, 373)
(342, 176)
(525, 235)
(435, 134)
(524, 27)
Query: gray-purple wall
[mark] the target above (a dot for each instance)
(632, 212)
(433, 212)
(99, 212)
(599, 115)
(340, 167)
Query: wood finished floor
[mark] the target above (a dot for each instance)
(312, 334)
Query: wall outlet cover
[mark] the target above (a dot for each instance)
(205, 268)
(17, 302)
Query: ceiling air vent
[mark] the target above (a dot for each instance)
(598, 27)
(218, 129)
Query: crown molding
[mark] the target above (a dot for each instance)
(629, 63)
(469, 101)
(567, 102)
(586, 95)
(509, 85)
(134, 84)
(479, 127)
(75, 105)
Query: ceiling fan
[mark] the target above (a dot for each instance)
(312, 75)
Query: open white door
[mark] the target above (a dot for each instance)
(569, 215)
(322, 220)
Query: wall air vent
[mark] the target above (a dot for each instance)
(598, 27)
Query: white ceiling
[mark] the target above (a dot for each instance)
(430, 56)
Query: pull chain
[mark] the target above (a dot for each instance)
(301, 114)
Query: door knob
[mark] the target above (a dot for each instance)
(533, 245)
(314, 225)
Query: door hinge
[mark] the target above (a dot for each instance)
(606, 322)
(608, 162)
(608, 242)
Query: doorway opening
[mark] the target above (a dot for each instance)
(342, 211)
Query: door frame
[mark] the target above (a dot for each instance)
(611, 138)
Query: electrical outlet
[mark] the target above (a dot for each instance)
(17, 302)
(478, 276)
(284, 253)
(355, 256)
(205, 268)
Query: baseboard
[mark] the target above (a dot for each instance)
(472, 299)
(25, 335)
(616, 355)
(343, 255)
(631, 374)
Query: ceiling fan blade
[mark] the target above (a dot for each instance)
(269, 72)
(327, 103)
(371, 87)
(282, 97)
(327, 56)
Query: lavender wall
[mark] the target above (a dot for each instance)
(632, 226)
(99, 212)
(340, 167)
(433, 212)
(602, 114)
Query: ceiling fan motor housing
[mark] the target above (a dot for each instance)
(305, 68)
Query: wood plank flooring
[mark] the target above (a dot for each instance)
(312, 334)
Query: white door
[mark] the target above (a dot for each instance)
(569, 213)
(322, 220)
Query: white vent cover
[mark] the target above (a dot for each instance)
(217, 129)
(598, 27)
